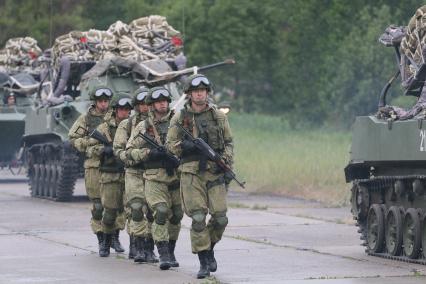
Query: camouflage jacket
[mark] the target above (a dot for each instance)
(138, 149)
(212, 126)
(95, 148)
(79, 137)
(122, 135)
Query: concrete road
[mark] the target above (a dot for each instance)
(268, 240)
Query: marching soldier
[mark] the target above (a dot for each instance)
(202, 182)
(161, 180)
(112, 174)
(139, 228)
(79, 138)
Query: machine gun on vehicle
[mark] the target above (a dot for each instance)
(208, 152)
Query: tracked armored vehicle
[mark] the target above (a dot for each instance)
(19, 81)
(387, 164)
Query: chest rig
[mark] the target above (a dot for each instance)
(111, 164)
(93, 121)
(206, 126)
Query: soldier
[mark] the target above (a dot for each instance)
(202, 182)
(112, 174)
(79, 138)
(138, 227)
(161, 180)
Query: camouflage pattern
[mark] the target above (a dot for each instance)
(19, 52)
(160, 188)
(135, 41)
(414, 41)
(111, 183)
(134, 183)
(80, 140)
(203, 192)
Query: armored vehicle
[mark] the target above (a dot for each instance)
(19, 81)
(387, 164)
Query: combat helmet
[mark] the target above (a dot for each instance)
(158, 93)
(140, 95)
(101, 92)
(122, 100)
(197, 81)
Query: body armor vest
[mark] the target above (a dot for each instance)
(207, 127)
(93, 121)
(111, 164)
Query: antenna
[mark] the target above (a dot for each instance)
(50, 24)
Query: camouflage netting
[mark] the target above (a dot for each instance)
(143, 39)
(19, 52)
(414, 42)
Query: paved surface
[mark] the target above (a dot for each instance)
(268, 240)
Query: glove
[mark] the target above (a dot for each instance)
(188, 146)
(156, 154)
(107, 151)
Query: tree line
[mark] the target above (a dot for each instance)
(314, 62)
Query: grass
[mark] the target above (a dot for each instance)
(274, 159)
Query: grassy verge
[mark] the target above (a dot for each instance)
(300, 163)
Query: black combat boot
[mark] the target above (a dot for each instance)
(211, 259)
(149, 250)
(132, 248)
(100, 237)
(140, 252)
(172, 245)
(163, 251)
(116, 245)
(106, 244)
(204, 265)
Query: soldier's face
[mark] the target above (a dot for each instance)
(199, 96)
(122, 113)
(102, 105)
(142, 108)
(161, 107)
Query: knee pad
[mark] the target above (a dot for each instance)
(177, 214)
(136, 211)
(109, 216)
(220, 220)
(97, 210)
(198, 221)
(161, 213)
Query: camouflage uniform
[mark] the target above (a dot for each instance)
(111, 181)
(161, 186)
(202, 182)
(134, 198)
(79, 139)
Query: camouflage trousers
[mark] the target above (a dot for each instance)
(112, 192)
(166, 204)
(202, 195)
(135, 193)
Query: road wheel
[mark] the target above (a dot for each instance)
(393, 231)
(375, 229)
(53, 179)
(47, 180)
(360, 202)
(34, 180)
(424, 235)
(411, 233)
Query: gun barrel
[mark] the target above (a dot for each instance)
(218, 64)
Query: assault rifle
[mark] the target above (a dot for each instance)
(171, 161)
(95, 134)
(208, 152)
